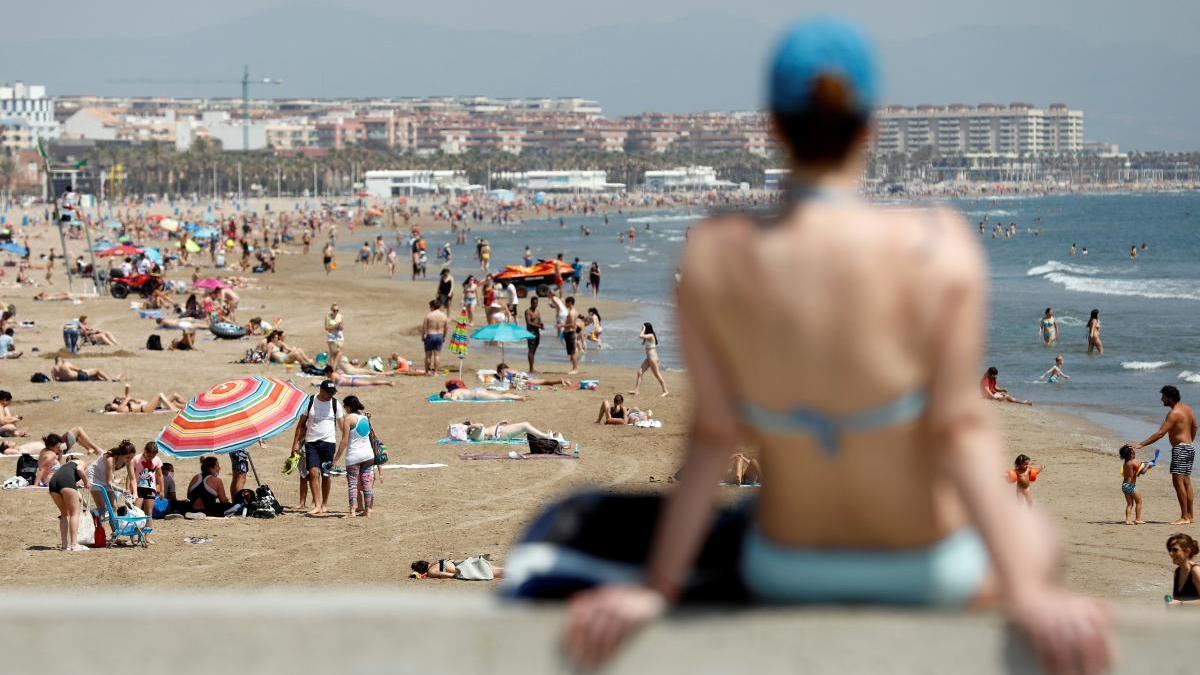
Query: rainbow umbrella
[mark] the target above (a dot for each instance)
(232, 416)
(459, 340)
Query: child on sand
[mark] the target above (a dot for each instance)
(1130, 471)
(1024, 476)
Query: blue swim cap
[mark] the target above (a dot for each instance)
(817, 47)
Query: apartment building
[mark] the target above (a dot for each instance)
(32, 112)
(1015, 130)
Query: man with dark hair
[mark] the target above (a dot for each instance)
(434, 330)
(1180, 429)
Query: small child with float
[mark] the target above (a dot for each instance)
(1023, 474)
(1130, 470)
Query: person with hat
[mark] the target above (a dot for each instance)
(317, 432)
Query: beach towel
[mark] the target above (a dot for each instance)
(412, 466)
(104, 412)
(434, 398)
(649, 424)
(748, 485)
(485, 441)
(475, 568)
(470, 456)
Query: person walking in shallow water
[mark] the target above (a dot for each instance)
(1180, 429)
(651, 363)
(1048, 327)
(1093, 333)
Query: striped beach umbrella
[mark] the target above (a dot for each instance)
(232, 416)
(459, 340)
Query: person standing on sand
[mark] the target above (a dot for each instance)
(318, 429)
(434, 329)
(570, 335)
(533, 324)
(1093, 331)
(327, 257)
(1130, 470)
(1180, 429)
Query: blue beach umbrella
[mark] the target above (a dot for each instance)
(154, 256)
(502, 332)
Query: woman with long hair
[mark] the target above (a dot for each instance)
(650, 343)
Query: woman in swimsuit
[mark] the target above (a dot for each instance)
(478, 394)
(1185, 581)
(469, 289)
(334, 337)
(1048, 327)
(103, 472)
(277, 351)
(505, 430)
(206, 492)
(126, 404)
(595, 328)
(650, 342)
(617, 413)
(883, 460)
(64, 490)
(1093, 333)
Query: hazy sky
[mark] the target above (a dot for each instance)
(1172, 22)
(1131, 66)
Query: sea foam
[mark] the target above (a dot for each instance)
(1051, 266)
(1144, 365)
(1189, 376)
(1168, 289)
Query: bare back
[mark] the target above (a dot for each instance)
(1181, 424)
(839, 308)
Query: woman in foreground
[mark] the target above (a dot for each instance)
(873, 432)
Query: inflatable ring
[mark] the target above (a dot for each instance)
(227, 331)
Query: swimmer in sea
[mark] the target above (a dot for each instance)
(1093, 330)
(1056, 372)
(1133, 253)
(1048, 327)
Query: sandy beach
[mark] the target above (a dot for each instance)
(466, 507)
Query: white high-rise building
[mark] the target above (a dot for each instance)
(29, 104)
(1016, 130)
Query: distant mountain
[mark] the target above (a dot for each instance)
(1141, 96)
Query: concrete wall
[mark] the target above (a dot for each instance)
(440, 632)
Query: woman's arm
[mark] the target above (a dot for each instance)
(159, 482)
(343, 442)
(222, 496)
(129, 482)
(1069, 633)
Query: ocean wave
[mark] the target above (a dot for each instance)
(1070, 321)
(634, 258)
(1157, 289)
(1189, 376)
(1144, 365)
(674, 238)
(664, 219)
(1056, 266)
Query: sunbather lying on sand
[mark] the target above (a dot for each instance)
(353, 380)
(499, 431)
(445, 569)
(478, 394)
(65, 371)
(127, 404)
(506, 374)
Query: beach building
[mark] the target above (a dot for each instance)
(775, 179)
(407, 182)
(31, 109)
(559, 181)
(988, 130)
(686, 178)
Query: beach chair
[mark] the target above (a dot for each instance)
(134, 527)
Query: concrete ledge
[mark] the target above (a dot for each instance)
(360, 631)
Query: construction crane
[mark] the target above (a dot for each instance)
(245, 81)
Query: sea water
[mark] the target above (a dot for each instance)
(1149, 308)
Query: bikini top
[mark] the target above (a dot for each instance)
(827, 429)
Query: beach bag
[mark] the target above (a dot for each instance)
(312, 371)
(154, 343)
(39, 378)
(457, 432)
(377, 447)
(161, 506)
(268, 506)
(542, 446)
(27, 468)
(475, 568)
